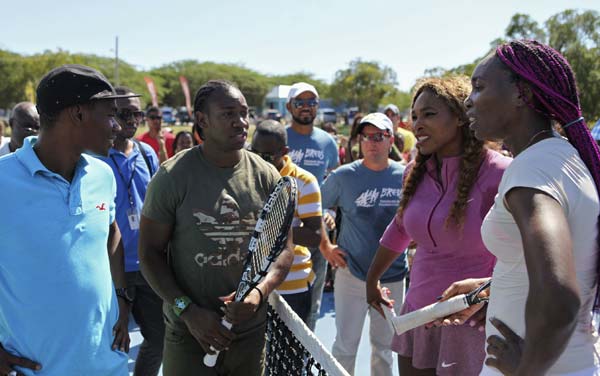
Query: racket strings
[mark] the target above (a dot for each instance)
(275, 219)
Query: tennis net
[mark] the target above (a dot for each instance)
(292, 348)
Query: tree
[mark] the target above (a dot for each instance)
(290, 79)
(400, 98)
(522, 26)
(14, 79)
(364, 83)
(575, 34)
(253, 84)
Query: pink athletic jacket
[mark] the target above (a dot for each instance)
(445, 254)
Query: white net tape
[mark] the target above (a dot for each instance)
(327, 364)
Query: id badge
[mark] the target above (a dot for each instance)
(133, 215)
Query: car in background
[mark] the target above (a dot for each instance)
(272, 115)
(326, 115)
(183, 116)
(168, 115)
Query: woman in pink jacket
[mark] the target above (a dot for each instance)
(447, 192)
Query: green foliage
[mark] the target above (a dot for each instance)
(575, 34)
(363, 83)
(289, 79)
(18, 70)
(253, 84)
(522, 26)
(366, 84)
(400, 98)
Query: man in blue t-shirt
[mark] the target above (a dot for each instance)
(133, 163)
(314, 150)
(367, 192)
(59, 312)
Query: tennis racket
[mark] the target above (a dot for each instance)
(434, 311)
(267, 242)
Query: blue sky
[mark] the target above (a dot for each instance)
(274, 37)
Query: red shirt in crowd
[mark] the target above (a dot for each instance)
(154, 142)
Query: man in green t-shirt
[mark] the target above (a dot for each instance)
(202, 207)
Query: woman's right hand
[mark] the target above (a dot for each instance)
(475, 314)
(376, 295)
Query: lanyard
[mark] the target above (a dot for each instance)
(125, 181)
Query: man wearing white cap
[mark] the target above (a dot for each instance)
(367, 191)
(316, 151)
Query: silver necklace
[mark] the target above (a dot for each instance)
(534, 136)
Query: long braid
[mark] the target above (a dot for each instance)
(553, 85)
(412, 181)
(469, 170)
(453, 91)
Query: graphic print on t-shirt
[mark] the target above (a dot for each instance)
(308, 157)
(386, 196)
(228, 232)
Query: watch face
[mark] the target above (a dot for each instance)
(180, 304)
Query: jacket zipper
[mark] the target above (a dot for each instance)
(435, 207)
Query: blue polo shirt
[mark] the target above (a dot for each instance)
(57, 300)
(131, 171)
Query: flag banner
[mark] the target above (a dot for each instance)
(186, 92)
(152, 90)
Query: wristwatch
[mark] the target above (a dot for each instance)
(122, 293)
(181, 305)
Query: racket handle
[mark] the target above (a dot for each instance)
(211, 359)
(429, 313)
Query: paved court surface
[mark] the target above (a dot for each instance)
(325, 331)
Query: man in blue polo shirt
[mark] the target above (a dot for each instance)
(59, 313)
(133, 163)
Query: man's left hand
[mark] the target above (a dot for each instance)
(506, 352)
(121, 328)
(238, 312)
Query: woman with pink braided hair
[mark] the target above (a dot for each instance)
(543, 226)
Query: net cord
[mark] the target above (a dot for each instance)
(310, 342)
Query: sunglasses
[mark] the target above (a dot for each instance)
(267, 157)
(305, 102)
(155, 117)
(127, 114)
(375, 137)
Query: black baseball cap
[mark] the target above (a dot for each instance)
(73, 84)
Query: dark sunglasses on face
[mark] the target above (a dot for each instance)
(30, 129)
(375, 137)
(267, 157)
(155, 117)
(126, 115)
(305, 102)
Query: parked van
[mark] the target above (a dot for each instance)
(326, 115)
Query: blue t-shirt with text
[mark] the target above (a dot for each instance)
(368, 201)
(317, 153)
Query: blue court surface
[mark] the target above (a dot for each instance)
(325, 331)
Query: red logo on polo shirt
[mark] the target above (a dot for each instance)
(100, 207)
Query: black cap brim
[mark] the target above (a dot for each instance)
(100, 96)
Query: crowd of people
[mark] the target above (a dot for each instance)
(492, 178)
